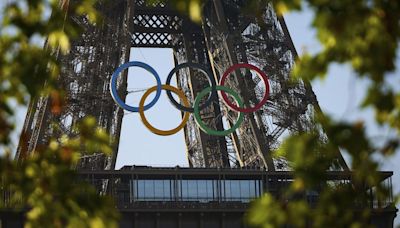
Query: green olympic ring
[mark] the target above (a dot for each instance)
(200, 122)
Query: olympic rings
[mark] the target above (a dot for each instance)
(213, 96)
(239, 107)
(113, 85)
(148, 125)
(204, 127)
(263, 77)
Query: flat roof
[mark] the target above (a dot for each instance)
(234, 173)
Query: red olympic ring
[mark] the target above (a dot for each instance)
(263, 77)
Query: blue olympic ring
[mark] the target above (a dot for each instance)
(113, 85)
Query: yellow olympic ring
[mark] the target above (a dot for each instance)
(183, 98)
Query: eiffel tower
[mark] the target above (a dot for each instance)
(227, 35)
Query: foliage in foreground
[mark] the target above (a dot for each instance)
(365, 35)
(45, 184)
(49, 187)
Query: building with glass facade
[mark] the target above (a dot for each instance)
(201, 190)
(199, 197)
(149, 197)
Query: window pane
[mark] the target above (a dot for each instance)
(192, 190)
(244, 189)
(167, 189)
(158, 189)
(140, 189)
(235, 189)
(178, 190)
(149, 189)
(252, 188)
(202, 189)
(209, 189)
(227, 190)
(185, 193)
(214, 190)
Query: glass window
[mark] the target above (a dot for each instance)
(159, 189)
(196, 190)
(235, 189)
(176, 188)
(185, 193)
(240, 190)
(149, 189)
(153, 190)
(192, 190)
(167, 190)
(227, 190)
(199, 190)
(140, 189)
(252, 189)
(210, 189)
(202, 189)
(245, 189)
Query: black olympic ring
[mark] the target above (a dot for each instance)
(212, 97)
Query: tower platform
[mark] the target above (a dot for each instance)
(203, 197)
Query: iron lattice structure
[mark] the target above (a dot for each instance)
(226, 36)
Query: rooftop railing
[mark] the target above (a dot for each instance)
(169, 187)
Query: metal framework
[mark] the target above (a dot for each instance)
(226, 36)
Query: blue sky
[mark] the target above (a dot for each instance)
(137, 144)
